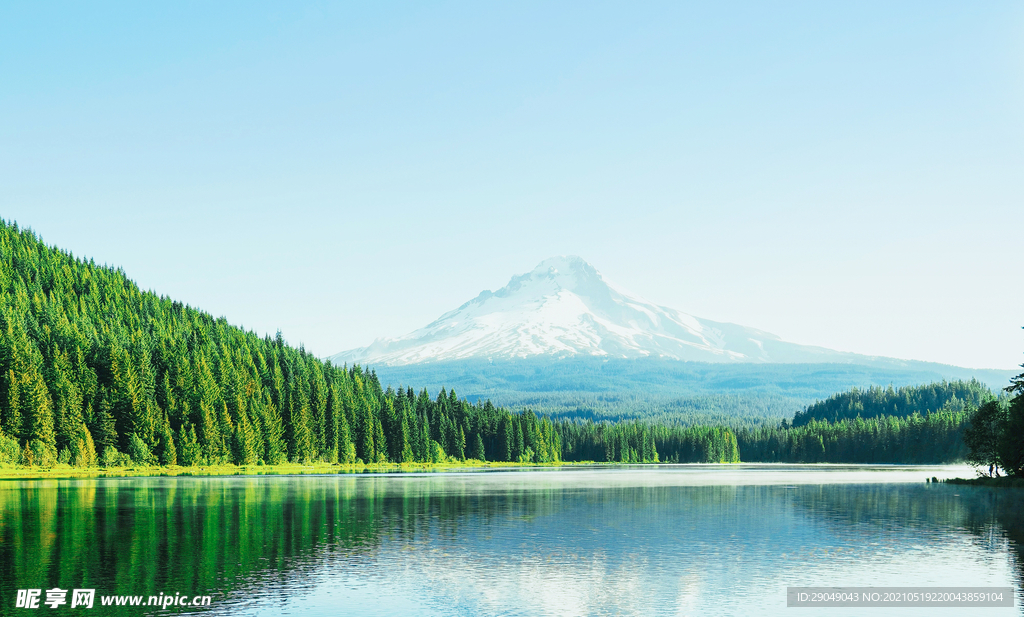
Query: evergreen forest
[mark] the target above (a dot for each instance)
(900, 402)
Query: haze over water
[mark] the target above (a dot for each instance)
(667, 540)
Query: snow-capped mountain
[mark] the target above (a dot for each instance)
(564, 307)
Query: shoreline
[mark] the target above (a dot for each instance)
(19, 472)
(1000, 482)
(156, 471)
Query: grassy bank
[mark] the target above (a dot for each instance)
(1001, 482)
(19, 472)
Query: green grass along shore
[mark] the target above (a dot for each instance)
(21, 472)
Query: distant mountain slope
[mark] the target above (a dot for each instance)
(565, 308)
(689, 392)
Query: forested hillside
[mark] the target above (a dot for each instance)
(664, 390)
(900, 402)
(95, 371)
(935, 437)
(914, 424)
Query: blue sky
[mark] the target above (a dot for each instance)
(846, 175)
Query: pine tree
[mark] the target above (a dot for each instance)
(245, 452)
(84, 449)
(478, 448)
(67, 398)
(406, 432)
(39, 433)
(1011, 441)
(139, 451)
(505, 443)
(131, 408)
(317, 412)
(166, 450)
(378, 438)
(367, 450)
(335, 415)
(105, 429)
(189, 452)
(389, 425)
(210, 439)
(11, 421)
(275, 449)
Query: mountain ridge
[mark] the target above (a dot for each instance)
(563, 308)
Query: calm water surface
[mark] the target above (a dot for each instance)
(669, 540)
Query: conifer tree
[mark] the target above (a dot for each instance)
(189, 452)
(478, 448)
(105, 428)
(335, 416)
(11, 421)
(39, 432)
(245, 450)
(367, 450)
(275, 450)
(317, 412)
(505, 447)
(210, 438)
(406, 429)
(67, 398)
(379, 441)
(166, 450)
(84, 449)
(1011, 441)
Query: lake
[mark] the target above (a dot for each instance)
(636, 540)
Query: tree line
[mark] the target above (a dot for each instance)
(915, 424)
(899, 402)
(936, 437)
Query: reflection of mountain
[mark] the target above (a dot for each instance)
(534, 543)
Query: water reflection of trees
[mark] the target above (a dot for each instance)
(989, 515)
(143, 536)
(232, 535)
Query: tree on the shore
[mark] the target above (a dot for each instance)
(1011, 442)
(995, 435)
(983, 434)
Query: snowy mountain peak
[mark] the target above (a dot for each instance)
(567, 272)
(566, 269)
(564, 307)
